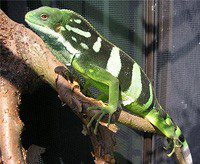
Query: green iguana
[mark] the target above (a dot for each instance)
(104, 66)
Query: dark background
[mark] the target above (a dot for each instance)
(175, 68)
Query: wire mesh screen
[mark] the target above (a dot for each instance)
(55, 128)
(178, 64)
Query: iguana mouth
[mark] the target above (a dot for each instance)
(40, 28)
(34, 25)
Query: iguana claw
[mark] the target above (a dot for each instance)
(176, 143)
(172, 152)
(102, 113)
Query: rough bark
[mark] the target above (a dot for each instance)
(23, 55)
(11, 125)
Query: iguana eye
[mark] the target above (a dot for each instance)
(44, 17)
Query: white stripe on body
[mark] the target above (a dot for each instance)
(132, 94)
(97, 45)
(77, 21)
(84, 46)
(78, 31)
(114, 62)
(74, 39)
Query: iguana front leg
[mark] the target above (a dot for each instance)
(100, 77)
(106, 78)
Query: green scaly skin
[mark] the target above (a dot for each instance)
(104, 66)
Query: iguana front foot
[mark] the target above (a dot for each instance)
(176, 143)
(103, 111)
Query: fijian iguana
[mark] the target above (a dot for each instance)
(104, 66)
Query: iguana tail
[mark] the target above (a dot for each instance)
(159, 118)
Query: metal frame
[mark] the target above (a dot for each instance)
(149, 50)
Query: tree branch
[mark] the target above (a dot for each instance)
(11, 125)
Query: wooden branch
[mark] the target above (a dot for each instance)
(28, 49)
(10, 123)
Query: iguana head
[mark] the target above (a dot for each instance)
(47, 22)
(44, 17)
